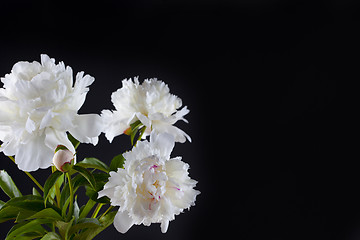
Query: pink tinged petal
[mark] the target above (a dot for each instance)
(87, 128)
(123, 221)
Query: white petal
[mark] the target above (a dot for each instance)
(179, 115)
(164, 226)
(30, 125)
(163, 127)
(34, 155)
(114, 125)
(54, 138)
(25, 70)
(87, 128)
(81, 89)
(164, 142)
(9, 148)
(109, 192)
(46, 61)
(123, 221)
(47, 119)
(82, 82)
(145, 120)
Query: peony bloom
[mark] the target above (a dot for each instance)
(149, 102)
(152, 187)
(38, 105)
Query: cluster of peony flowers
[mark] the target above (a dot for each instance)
(39, 104)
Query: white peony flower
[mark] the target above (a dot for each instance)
(149, 102)
(152, 188)
(38, 105)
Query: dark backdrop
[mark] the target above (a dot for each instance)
(270, 86)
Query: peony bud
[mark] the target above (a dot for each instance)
(62, 158)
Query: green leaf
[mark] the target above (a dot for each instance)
(135, 125)
(11, 213)
(64, 207)
(31, 226)
(142, 131)
(64, 227)
(35, 232)
(90, 233)
(76, 210)
(101, 179)
(74, 141)
(84, 211)
(1, 204)
(77, 181)
(47, 213)
(86, 174)
(65, 193)
(21, 208)
(51, 236)
(59, 182)
(8, 185)
(134, 130)
(50, 183)
(93, 195)
(35, 192)
(27, 202)
(85, 223)
(16, 226)
(24, 214)
(93, 163)
(117, 162)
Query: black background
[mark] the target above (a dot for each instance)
(270, 86)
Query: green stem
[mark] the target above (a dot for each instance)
(71, 194)
(30, 176)
(97, 209)
(57, 187)
(107, 210)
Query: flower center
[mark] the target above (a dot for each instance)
(151, 184)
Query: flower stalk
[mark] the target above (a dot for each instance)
(57, 187)
(71, 195)
(30, 176)
(96, 211)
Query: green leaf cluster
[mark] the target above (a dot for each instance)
(55, 213)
